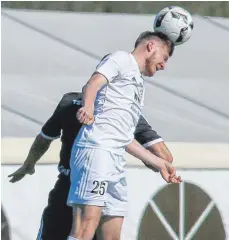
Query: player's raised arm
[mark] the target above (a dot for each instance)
(166, 169)
(37, 150)
(106, 71)
(85, 114)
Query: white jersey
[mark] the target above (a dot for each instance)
(117, 106)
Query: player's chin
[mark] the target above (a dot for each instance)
(151, 73)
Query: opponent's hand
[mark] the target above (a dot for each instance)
(168, 172)
(21, 172)
(85, 115)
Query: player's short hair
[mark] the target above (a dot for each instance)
(148, 35)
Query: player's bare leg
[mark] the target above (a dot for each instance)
(85, 221)
(110, 228)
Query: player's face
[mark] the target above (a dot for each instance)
(157, 59)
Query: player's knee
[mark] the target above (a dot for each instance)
(91, 221)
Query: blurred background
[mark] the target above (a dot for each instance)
(50, 48)
(213, 8)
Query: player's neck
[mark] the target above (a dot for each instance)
(139, 58)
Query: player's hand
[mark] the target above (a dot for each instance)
(21, 172)
(168, 172)
(85, 115)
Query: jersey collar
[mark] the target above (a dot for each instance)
(135, 63)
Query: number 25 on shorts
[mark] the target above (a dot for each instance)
(99, 187)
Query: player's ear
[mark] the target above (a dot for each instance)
(83, 89)
(150, 46)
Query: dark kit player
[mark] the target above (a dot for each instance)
(56, 220)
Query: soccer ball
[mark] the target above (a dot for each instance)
(175, 22)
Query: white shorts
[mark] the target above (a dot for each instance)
(98, 178)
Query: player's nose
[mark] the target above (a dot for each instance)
(163, 66)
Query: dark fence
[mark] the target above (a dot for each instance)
(201, 8)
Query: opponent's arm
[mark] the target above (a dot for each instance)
(166, 169)
(50, 131)
(150, 139)
(160, 149)
(37, 150)
(85, 114)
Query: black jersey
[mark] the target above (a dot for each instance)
(64, 123)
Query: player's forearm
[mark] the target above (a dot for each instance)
(91, 88)
(161, 150)
(136, 150)
(37, 150)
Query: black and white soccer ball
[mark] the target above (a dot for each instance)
(176, 23)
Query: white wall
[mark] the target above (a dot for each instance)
(25, 200)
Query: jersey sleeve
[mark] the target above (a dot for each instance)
(144, 133)
(108, 67)
(52, 128)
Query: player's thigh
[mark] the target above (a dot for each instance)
(93, 171)
(116, 206)
(85, 218)
(90, 172)
(114, 211)
(110, 228)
